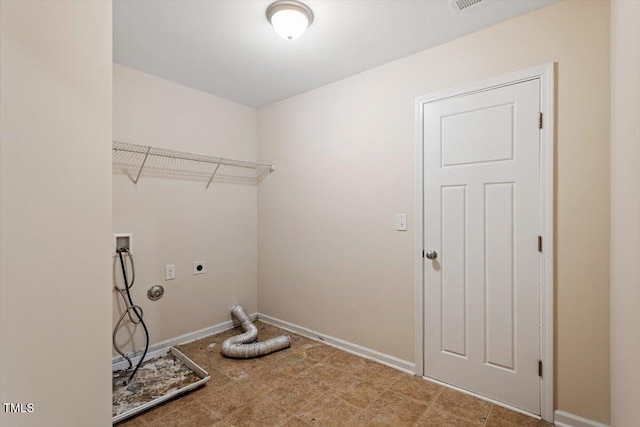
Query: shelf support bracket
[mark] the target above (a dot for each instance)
(142, 165)
(264, 173)
(214, 174)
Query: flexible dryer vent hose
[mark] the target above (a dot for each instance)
(245, 346)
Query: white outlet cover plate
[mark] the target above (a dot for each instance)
(169, 272)
(201, 270)
(401, 222)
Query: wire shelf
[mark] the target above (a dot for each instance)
(134, 159)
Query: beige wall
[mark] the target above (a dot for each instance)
(55, 212)
(176, 221)
(329, 256)
(625, 213)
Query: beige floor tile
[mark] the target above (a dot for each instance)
(290, 366)
(237, 372)
(259, 413)
(163, 409)
(346, 362)
(320, 352)
(133, 422)
(462, 405)
(295, 422)
(265, 380)
(193, 346)
(218, 379)
(377, 373)
(307, 345)
(392, 409)
(287, 353)
(223, 401)
(192, 414)
(328, 411)
(357, 391)
(237, 369)
(369, 419)
(201, 359)
(416, 388)
(297, 340)
(215, 357)
(322, 375)
(295, 395)
(218, 339)
(436, 418)
(501, 417)
(266, 332)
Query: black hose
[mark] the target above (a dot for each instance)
(135, 310)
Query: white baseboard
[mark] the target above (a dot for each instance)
(358, 350)
(186, 338)
(565, 419)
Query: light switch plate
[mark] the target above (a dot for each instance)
(401, 222)
(169, 271)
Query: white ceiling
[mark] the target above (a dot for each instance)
(228, 49)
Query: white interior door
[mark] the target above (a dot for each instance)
(482, 218)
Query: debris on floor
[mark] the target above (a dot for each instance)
(212, 345)
(155, 378)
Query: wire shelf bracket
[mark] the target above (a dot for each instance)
(146, 155)
(133, 159)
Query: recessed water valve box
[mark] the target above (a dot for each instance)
(122, 240)
(199, 267)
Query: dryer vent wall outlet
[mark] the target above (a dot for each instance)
(199, 267)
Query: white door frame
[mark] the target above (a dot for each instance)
(546, 74)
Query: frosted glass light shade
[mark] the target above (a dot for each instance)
(290, 19)
(289, 24)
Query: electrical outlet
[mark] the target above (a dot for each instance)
(169, 272)
(199, 267)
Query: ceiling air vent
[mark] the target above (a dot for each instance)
(460, 5)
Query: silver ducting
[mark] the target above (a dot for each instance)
(245, 346)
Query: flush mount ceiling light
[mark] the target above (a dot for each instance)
(289, 18)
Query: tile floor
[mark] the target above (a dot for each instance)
(312, 384)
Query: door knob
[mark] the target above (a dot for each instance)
(432, 254)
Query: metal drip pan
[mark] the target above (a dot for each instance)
(164, 374)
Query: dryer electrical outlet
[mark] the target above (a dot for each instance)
(199, 267)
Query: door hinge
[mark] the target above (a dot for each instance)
(540, 121)
(540, 368)
(540, 244)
